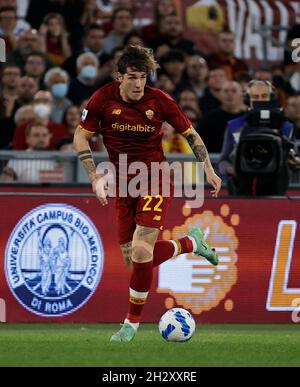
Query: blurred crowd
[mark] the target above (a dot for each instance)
(60, 51)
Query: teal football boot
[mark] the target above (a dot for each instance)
(126, 333)
(203, 249)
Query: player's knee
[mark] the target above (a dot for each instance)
(141, 254)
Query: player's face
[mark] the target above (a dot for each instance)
(132, 85)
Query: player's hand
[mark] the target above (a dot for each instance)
(214, 180)
(100, 187)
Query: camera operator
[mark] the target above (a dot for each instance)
(259, 93)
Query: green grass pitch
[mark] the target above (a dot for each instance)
(88, 345)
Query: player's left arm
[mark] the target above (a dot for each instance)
(200, 151)
(173, 114)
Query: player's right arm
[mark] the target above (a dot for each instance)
(81, 145)
(88, 126)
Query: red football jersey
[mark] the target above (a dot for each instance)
(132, 128)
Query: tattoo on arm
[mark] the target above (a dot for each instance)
(84, 155)
(199, 150)
(87, 161)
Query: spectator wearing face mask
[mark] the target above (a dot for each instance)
(57, 82)
(42, 106)
(91, 41)
(86, 82)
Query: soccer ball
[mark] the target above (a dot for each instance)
(177, 324)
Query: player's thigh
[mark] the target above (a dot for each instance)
(144, 239)
(126, 249)
(152, 210)
(125, 209)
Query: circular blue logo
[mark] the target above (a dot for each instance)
(54, 260)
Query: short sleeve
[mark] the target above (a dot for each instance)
(91, 115)
(174, 115)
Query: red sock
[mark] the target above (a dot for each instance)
(164, 250)
(140, 284)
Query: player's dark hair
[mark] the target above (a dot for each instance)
(138, 58)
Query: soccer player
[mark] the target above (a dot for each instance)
(129, 115)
